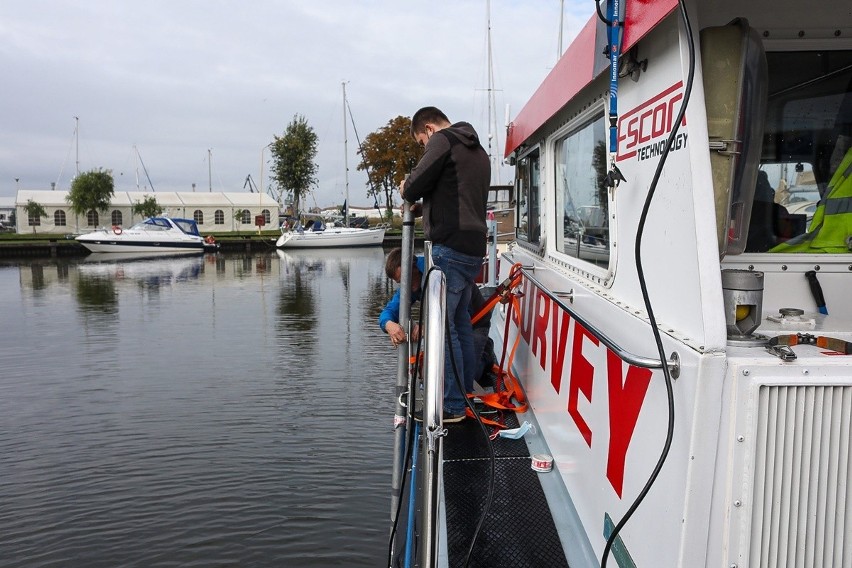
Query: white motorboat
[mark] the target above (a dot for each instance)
(326, 237)
(151, 235)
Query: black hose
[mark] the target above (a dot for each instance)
(600, 14)
(645, 297)
(491, 456)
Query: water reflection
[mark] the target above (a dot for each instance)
(97, 295)
(150, 272)
(197, 411)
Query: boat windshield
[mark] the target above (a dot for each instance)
(152, 224)
(187, 226)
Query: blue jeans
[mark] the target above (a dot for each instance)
(460, 270)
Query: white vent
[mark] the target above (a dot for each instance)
(802, 507)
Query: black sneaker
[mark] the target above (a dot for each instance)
(450, 418)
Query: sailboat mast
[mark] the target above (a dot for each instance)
(345, 161)
(136, 156)
(492, 111)
(561, 27)
(77, 141)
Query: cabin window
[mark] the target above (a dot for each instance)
(34, 220)
(92, 218)
(219, 217)
(116, 217)
(59, 218)
(266, 216)
(582, 210)
(198, 216)
(807, 139)
(529, 212)
(246, 217)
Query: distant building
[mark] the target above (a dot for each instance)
(217, 212)
(7, 208)
(354, 211)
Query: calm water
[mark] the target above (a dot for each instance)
(197, 411)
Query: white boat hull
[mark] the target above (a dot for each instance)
(334, 237)
(118, 246)
(152, 235)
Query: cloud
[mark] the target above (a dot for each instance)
(179, 79)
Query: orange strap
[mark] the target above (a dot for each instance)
(508, 394)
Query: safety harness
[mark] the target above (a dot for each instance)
(507, 394)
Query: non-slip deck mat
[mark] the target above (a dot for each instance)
(519, 530)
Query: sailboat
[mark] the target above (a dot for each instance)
(316, 235)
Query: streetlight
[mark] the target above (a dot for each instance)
(262, 151)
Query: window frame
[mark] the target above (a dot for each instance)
(523, 194)
(602, 274)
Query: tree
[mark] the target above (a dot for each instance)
(148, 207)
(294, 169)
(35, 211)
(388, 154)
(92, 190)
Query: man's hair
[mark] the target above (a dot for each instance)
(426, 115)
(393, 261)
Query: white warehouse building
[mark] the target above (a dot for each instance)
(217, 212)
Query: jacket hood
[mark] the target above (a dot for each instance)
(464, 132)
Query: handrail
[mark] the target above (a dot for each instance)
(623, 354)
(434, 305)
(402, 420)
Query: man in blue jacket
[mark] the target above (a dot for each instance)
(389, 321)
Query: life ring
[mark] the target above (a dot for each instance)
(209, 240)
(116, 229)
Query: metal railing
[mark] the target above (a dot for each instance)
(434, 318)
(623, 354)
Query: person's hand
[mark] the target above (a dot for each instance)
(415, 333)
(395, 332)
(416, 208)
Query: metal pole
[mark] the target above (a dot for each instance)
(492, 256)
(400, 424)
(77, 141)
(346, 165)
(435, 312)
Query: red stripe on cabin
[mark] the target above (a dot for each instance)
(575, 69)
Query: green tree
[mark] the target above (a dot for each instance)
(34, 210)
(388, 154)
(92, 190)
(294, 169)
(148, 207)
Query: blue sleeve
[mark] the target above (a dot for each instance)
(390, 312)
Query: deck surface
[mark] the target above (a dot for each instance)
(519, 529)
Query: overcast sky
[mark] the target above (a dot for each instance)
(176, 78)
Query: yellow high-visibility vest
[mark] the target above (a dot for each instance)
(831, 226)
